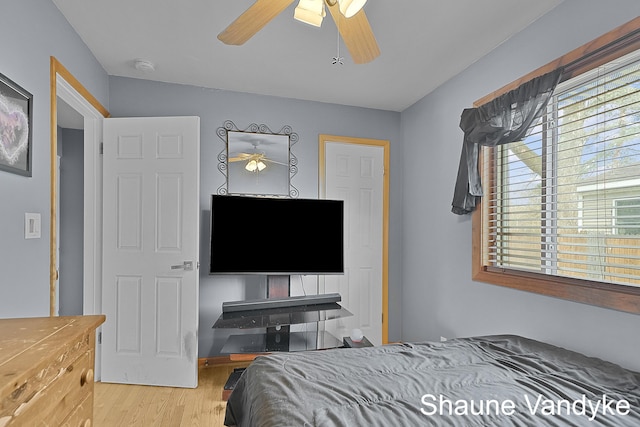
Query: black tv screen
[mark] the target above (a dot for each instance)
(261, 235)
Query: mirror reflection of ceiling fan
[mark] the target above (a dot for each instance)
(256, 162)
(349, 16)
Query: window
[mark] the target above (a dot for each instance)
(560, 213)
(627, 217)
(550, 202)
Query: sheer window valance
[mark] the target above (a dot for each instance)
(505, 119)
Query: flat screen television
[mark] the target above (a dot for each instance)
(262, 235)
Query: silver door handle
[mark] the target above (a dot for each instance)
(187, 266)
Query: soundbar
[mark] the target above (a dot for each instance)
(269, 303)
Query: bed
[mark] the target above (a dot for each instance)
(480, 381)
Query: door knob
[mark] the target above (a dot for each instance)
(187, 266)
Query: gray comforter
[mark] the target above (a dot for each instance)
(481, 381)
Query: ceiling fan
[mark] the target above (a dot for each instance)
(349, 16)
(256, 162)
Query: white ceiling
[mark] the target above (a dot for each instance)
(423, 43)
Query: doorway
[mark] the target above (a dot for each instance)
(70, 210)
(65, 87)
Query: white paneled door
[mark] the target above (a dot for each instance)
(355, 173)
(150, 251)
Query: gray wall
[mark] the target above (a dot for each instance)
(439, 298)
(132, 97)
(32, 31)
(71, 214)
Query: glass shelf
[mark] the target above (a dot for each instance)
(281, 316)
(276, 334)
(276, 341)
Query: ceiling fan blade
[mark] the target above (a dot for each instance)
(357, 35)
(240, 157)
(273, 161)
(252, 21)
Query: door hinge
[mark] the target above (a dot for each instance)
(102, 148)
(99, 337)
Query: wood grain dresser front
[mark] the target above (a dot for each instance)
(46, 370)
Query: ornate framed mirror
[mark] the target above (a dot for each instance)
(257, 161)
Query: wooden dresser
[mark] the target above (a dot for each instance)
(46, 370)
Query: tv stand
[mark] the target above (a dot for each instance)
(277, 338)
(278, 286)
(273, 318)
(276, 334)
(275, 315)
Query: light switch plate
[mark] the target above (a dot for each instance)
(31, 225)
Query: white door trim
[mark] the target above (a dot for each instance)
(322, 141)
(92, 194)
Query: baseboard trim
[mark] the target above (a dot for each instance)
(233, 359)
(214, 361)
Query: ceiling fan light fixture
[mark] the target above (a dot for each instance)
(255, 165)
(251, 165)
(350, 7)
(310, 12)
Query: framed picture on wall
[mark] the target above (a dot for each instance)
(16, 105)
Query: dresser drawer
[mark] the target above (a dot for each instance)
(53, 402)
(81, 415)
(51, 378)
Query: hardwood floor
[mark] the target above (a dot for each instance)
(144, 406)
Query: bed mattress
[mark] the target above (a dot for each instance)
(479, 381)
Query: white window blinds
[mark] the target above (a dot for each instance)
(565, 201)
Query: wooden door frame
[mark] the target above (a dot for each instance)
(322, 141)
(61, 78)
